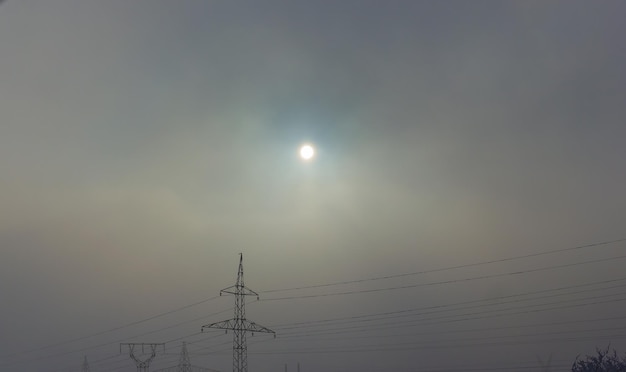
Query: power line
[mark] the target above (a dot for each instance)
(50, 356)
(406, 347)
(440, 332)
(453, 319)
(350, 292)
(49, 346)
(108, 343)
(464, 302)
(404, 324)
(124, 339)
(450, 267)
(480, 277)
(488, 338)
(521, 366)
(604, 243)
(435, 308)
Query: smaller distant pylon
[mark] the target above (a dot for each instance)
(184, 364)
(86, 365)
(143, 365)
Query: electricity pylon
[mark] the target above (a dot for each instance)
(184, 364)
(239, 324)
(142, 365)
(86, 365)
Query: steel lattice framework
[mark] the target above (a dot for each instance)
(239, 324)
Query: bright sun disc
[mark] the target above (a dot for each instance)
(307, 152)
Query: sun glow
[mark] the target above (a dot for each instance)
(307, 152)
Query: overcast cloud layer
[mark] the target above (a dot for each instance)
(144, 144)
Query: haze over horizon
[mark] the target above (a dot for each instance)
(463, 151)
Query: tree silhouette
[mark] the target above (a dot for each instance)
(603, 361)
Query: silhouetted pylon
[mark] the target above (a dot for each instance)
(143, 365)
(184, 364)
(86, 365)
(239, 324)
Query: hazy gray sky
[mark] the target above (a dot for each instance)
(145, 143)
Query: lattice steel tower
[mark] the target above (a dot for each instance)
(184, 364)
(239, 324)
(86, 365)
(143, 365)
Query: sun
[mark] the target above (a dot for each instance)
(307, 152)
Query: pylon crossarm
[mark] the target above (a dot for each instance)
(144, 362)
(142, 365)
(254, 327)
(225, 324)
(244, 291)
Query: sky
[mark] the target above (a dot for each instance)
(465, 209)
